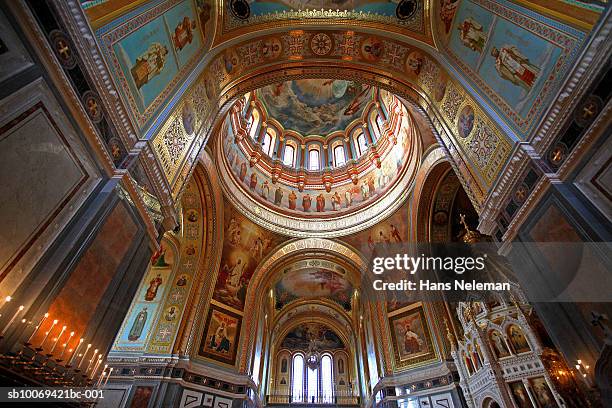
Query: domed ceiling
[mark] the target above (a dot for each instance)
(368, 151)
(315, 106)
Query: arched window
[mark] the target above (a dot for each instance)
(362, 144)
(289, 156)
(327, 387)
(374, 127)
(313, 385)
(297, 383)
(313, 159)
(380, 123)
(268, 141)
(339, 158)
(254, 123)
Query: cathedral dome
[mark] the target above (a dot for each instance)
(318, 156)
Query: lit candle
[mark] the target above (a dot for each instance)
(76, 350)
(66, 344)
(93, 358)
(102, 375)
(12, 320)
(84, 354)
(37, 327)
(47, 334)
(93, 372)
(107, 377)
(57, 339)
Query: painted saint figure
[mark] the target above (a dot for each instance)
(336, 201)
(138, 325)
(498, 342)
(149, 64)
(265, 190)
(412, 341)
(306, 202)
(243, 171)
(234, 273)
(253, 182)
(159, 257)
(171, 314)
(292, 200)
(220, 335)
(513, 66)
(471, 34)
(233, 231)
(320, 203)
(278, 196)
(153, 287)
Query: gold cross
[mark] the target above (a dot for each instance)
(589, 110)
(557, 155)
(63, 49)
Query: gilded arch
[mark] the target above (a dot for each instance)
(479, 156)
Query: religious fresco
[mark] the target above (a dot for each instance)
(245, 244)
(312, 335)
(314, 279)
(483, 152)
(393, 230)
(152, 50)
(220, 339)
(470, 31)
(412, 341)
(146, 304)
(345, 198)
(542, 393)
(141, 397)
(519, 394)
(198, 230)
(315, 106)
(516, 60)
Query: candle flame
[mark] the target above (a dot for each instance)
(55, 321)
(46, 315)
(7, 299)
(21, 307)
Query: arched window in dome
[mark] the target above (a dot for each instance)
(375, 129)
(254, 124)
(380, 123)
(327, 381)
(297, 380)
(362, 144)
(268, 141)
(313, 160)
(339, 157)
(289, 155)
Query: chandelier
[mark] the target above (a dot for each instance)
(313, 357)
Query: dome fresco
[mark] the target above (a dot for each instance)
(301, 337)
(315, 106)
(377, 142)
